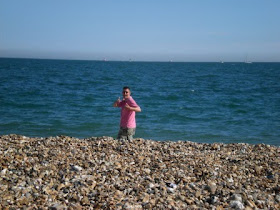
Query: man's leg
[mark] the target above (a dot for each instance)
(122, 135)
(130, 133)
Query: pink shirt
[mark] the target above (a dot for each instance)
(127, 116)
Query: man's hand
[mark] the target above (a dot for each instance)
(117, 102)
(127, 106)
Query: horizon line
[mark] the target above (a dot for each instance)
(131, 60)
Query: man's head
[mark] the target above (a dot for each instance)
(126, 92)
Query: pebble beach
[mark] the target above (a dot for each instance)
(100, 172)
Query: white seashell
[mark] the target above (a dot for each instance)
(3, 172)
(77, 168)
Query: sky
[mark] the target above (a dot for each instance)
(141, 30)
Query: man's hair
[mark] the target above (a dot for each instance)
(125, 87)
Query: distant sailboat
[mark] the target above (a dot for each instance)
(247, 61)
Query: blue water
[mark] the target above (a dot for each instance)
(202, 102)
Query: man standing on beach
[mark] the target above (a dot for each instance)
(128, 108)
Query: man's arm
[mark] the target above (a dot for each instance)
(136, 109)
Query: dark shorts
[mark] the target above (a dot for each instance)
(126, 133)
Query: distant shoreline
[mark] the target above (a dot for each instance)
(134, 61)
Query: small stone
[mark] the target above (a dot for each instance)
(258, 170)
(85, 201)
(236, 205)
(3, 172)
(220, 207)
(277, 198)
(23, 200)
(171, 187)
(236, 197)
(270, 175)
(197, 194)
(260, 203)
(146, 198)
(250, 203)
(215, 146)
(151, 185)
(171, 190)
(192, 185)
(147, 170)
(57, 206)
(212, 199)
(211, 187)
(76, 206)
(234, 168)
(230, 180)
(189, 201)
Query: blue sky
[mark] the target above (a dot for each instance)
(158, 30)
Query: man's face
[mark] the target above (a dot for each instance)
(126, 93)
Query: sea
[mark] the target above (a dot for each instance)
(187, 101)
